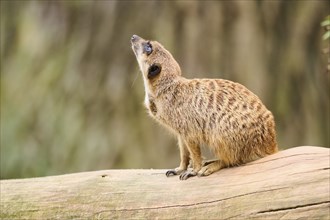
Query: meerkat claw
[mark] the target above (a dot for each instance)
(187, 174)
(171, 173)
(174, 172)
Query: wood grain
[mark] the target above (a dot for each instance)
(291, 184)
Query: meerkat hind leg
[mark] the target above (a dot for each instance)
(207, 162)
(210, 168)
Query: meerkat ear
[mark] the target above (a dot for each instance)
(154, 70)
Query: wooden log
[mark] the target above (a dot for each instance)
(291, 184)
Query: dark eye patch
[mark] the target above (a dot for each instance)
(147, 48)
(154, 70)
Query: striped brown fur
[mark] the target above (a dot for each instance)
(222, 114)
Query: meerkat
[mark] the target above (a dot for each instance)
(224, 115)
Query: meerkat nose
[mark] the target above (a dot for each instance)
(134, 38)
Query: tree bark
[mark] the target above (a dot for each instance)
(291, 184)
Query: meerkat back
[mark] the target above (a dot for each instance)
(222, 114)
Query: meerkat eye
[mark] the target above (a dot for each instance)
(147, 48)
(154, 70)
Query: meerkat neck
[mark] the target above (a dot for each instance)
(165, 84)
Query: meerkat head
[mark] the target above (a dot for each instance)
(154, 60)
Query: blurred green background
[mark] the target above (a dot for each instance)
(72, 93)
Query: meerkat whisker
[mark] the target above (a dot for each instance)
(136, 76)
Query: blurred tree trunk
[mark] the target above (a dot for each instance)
(71, 89)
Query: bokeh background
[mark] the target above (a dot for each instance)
(72, 93)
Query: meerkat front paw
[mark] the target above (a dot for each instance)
(174, 172)
(188, 173)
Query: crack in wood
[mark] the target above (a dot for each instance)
(294, 207)
(186, 205)
(310, 171)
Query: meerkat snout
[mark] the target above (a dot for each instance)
(141, 46)
(134, 37)
(222, 114)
